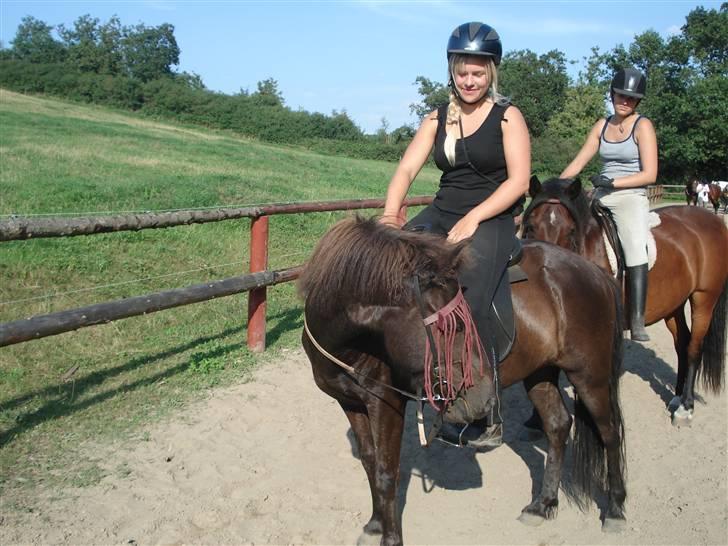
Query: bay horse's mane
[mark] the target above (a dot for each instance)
(366, 262)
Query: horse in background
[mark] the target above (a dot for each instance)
(691, 266)
(691, 191)
(367, 288)
(714, 196)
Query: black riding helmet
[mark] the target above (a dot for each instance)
(475, 39)
(630, 82)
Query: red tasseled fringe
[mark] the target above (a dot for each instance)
(445, 323)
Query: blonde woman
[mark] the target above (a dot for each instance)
(482, 146)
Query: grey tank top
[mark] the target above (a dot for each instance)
(619, 158)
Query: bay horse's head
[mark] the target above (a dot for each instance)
(559, 213)
(360, 289)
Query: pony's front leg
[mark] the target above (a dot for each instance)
(379, 436)
(556, 421)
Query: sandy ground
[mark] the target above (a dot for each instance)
(272, 462)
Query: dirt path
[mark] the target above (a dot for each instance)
(271, 462)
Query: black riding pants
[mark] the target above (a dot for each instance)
(491, 247)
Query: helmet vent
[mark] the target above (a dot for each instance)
(473, 29)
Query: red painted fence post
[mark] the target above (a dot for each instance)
(257, 296)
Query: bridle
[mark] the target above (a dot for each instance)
(439, 401)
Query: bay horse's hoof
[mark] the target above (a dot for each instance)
(682, 417)
(614, 525)
(532, 520)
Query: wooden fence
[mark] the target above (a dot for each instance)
(16, 228)
(256, 282)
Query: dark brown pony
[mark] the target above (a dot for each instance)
(691, 266)
(361, 308)
(691, 191)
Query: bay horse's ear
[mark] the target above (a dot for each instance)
(574, 189)
(534, 186)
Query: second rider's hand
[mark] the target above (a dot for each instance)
(465, 228)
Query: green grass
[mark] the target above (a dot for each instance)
(62, 158)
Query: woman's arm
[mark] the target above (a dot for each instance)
(517, 150)
(588, 150)
(409, 166)
(647, 144)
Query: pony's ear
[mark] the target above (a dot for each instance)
(460, 255)
(534, 186)
(574, 189)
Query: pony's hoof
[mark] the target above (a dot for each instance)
(532, 520)
(614, 525)
(674, 404)
(682, 417)
(369, 539)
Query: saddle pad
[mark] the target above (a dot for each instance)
(653, 222)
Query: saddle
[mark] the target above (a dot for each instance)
(501, 318)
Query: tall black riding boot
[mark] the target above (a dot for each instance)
(637, 285)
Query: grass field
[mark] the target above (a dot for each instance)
(61, 158)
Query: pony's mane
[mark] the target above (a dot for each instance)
(578, 205)
(363, 261)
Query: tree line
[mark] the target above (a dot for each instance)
(133, 67)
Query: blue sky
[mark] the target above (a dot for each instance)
(361, 56)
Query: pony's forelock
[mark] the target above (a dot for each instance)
(363, 261)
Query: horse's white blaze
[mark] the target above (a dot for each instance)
(552, 218)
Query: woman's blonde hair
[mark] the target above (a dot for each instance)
(454, 109)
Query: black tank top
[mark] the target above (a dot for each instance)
(466, 184)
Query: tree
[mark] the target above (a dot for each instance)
(34, 42)
(268, 93)
(536, 84)
(150, 52)
(433, 95)
(92, 47)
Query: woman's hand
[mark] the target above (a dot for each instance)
(465, 228)
(393, 220)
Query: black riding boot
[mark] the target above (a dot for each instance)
(637, 285)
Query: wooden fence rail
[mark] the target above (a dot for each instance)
(19, 227)
(255, 283)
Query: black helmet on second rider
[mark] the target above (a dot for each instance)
(630, 82)
(475, 39)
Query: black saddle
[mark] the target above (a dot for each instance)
(501, 319)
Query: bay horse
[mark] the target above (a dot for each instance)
(691, 266)
(714, 196)
(367, 343)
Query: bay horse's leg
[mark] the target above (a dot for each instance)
(701, 313)
(379, 436)
(543, 391)
(678, 327)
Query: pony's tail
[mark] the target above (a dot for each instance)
(590, 474)
(713, 363)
